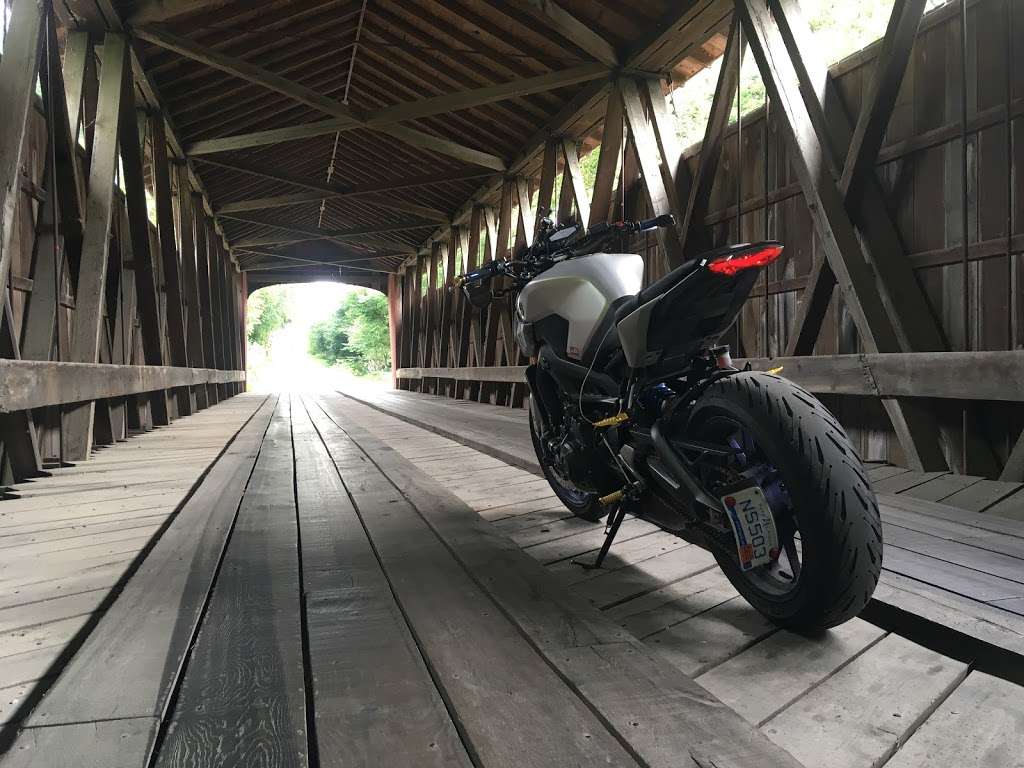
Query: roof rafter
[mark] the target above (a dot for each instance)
(346, 118)
(281, 201)
(574, 30)
(149, 11)
(381, 119)
(358, 235)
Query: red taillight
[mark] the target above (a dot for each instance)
(730, 265)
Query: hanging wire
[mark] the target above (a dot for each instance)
(330, 174)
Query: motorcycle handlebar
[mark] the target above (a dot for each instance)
(494, 268)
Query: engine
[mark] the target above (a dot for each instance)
(582, 457)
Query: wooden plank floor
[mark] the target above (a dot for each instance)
(852, 697)
(303, 610)
(344, 588)
(938, 557)
(69, 538)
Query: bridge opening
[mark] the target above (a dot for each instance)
(319, 336)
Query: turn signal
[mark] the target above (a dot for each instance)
(730, 265)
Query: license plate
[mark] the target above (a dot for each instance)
(753, 526)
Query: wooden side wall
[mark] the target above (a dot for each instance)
(975, 293)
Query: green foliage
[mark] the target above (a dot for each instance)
(356, 335)
(268, 312)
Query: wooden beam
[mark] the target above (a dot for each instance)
(204, 244)
(39, 319)
(914, 324)
(546, 189)
(264, 138)
(356, 190)
(571, 171)
(660, 189)
(452, 102)
(577, 32)
(1013, 470)
(880, 97)
(151, 11)
(527, 217)
(443, 146)
(189, 277)
(263, 171)
(114, 87)
(696, 237)
(916, 429)
(78, 67)
(346, 118)
(18, 68)
(26, 384)
(354, 233)
(174, 320)
(608, 162)
(17, 430)
(960, 376)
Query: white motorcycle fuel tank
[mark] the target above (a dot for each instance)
(581, 291)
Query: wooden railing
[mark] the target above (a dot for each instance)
(26, 384)
(995, 376)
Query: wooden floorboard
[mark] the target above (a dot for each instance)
(350, 589)
(61, 560)
(243, 687)
(373, 696)
(954, 577)
(709, 631)
(488, 674)
(664, 716)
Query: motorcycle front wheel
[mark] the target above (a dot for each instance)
(581, 503)
(830, 535)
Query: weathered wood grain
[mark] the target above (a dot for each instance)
(978, 725)
(128, 666)
(777, 671)
(859, 716)
(242, 696)
(374, 699)
(664, 717)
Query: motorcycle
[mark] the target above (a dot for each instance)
(636, 409)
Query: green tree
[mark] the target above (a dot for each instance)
(268, 312)
(356, 335)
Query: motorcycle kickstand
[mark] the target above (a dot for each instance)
(613, 528)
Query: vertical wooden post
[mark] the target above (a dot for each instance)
(608, 162)
(114, 87)
(169, 255)
(394, 324)
(650, 137)
(18, 69)
(190, 284)
(204, 249)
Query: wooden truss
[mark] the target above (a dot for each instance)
(834, 158)
(154, 332)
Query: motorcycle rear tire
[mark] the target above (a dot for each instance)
(835, 508)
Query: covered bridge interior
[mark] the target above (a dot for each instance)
(194, 574)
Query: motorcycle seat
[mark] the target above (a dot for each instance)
(670, 280)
